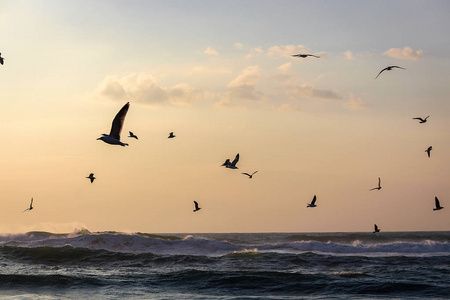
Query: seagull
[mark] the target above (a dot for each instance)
(116, 128)
(313, 202)
(376, 228)
(388, 69)
(379, 185)
(1, 59)
(421, 120)
(31, 206)
(250, 176)
(171, 135)
(132, 135)
(305, 55)
(231, 165)
(91, 177)
(429, 150)
(196, 206)
(438, 205)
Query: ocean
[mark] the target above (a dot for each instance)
(114, 265)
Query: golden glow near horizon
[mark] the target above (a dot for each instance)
(310, 126)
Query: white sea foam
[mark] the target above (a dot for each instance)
(190, 245)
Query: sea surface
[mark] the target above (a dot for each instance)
(113, 265)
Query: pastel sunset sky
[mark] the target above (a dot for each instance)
(221, 76)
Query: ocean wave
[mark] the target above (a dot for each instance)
(141, 243)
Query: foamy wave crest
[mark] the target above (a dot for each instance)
(189, 245)
(357, 247)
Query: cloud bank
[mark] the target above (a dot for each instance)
(405, 53)
(144, 88)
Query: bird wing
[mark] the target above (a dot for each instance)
(418, 119)
(236, 159)
(379, 181)
(437, 202)
(254, 173)
(381, 72)
(196, 204)
(31, 204)
(246, 174)
(117, 123)
(376, 227)
(398, 67)
(313, 200)
(1, 60)
(313, 55)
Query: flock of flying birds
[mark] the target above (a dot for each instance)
(421, 121)
(113, 138)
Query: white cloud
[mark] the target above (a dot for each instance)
(238, 45)
(286, 51)
(243, 87)
(144, 88)
(405, 53)
(349, 55)
(210, 51)
(354, 103)
(309, 91)
(285, 67)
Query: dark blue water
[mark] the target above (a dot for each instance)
(413, 265)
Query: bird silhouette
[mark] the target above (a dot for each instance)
(388, 69)
(438, 205)
(250, 176)
(132, 135)
(31, 206)
(421, 120)
(171, 135)
(113, 138)
(313, 202)
(376, 228)
(428, 151)
(196, 206)
(231, 165)
(1, 59)
(379, 185)
(91, 177)
(305, 55)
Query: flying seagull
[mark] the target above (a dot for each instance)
(250, 176)
(376, 228)
(171, 136)
(421, 120)
(438, 205)
(132, 135)
(305, 55)
(196, 206)
(91, 177)
(379, 185)
(1, 59)
(231, 165)
(31, 206)
(388, 69)
(429, 150)
(116, 128)
(313, 202)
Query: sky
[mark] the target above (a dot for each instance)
(221, 76)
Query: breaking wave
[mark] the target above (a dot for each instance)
(142, 243)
